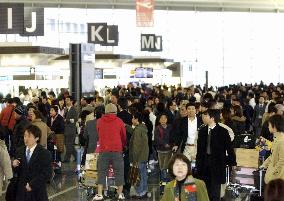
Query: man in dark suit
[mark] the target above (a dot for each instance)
(171, 111)
(33, 167)
(70, 129)
(185, 134)
(212, 145)
(259, 110)
(126, 117)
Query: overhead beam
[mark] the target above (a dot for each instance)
(192, 5)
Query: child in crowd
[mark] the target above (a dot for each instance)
(162, 143)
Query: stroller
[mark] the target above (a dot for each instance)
(52, 148)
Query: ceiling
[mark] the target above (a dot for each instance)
(198, 5)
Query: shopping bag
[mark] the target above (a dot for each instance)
(134, 175)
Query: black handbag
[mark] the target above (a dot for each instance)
(11, 191)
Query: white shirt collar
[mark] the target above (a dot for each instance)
(31, 149)
(212, 127)
(193, 119)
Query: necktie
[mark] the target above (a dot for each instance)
(208, 150)
(28, 155)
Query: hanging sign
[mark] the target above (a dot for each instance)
(144, 13)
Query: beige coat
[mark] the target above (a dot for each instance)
(275, 162)
(44, 131)
(5, 165)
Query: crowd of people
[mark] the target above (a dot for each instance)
(137, 126)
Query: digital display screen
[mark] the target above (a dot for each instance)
(98, 73)
(143, 72)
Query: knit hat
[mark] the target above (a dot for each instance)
(21, 110)
(110, 108)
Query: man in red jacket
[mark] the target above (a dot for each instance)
(7, 121)
(112, 140)
(7, 118)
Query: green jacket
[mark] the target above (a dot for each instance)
(138, 145)
(201, 193)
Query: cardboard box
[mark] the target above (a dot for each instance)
(91, 162)
(247, 157)
(90, 178)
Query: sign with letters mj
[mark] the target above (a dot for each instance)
(151, 43)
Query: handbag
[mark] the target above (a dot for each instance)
(59, 138)
(134, 175)
(11, 191)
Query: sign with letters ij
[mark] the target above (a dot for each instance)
(17, 19)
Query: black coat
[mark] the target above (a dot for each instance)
(220, 143)
(37, 172)
(19, 130)
(180, 132)
(171, 116)
(58, 124)
(125, 116)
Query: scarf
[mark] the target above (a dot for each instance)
(189, 188)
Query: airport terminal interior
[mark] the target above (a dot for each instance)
(167, 74)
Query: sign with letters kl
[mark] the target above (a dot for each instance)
(17, 19)
(103, 34)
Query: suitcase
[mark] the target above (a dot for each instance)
(259, 184)
(239, 192)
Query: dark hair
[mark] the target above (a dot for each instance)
(41, 108)
(159, 117)
(84, 114)
(190, 104)
(89, 100)
(35, 131)
(197, 105)
(272, 110)
(277, 121)
(99, 111)
(37, 114)
(160, 107)
(55, 107)
(271, 107)
(170, 103)
(238, 110)
(122, 102)
(30, 105)
(226, 114)
(52, 94)
(213, 113)
(274, 190)
(10, 100)
(180, 157)
(17, 101)
(138, 115)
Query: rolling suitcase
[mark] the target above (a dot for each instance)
(259, 184)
